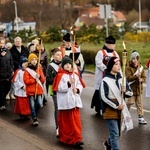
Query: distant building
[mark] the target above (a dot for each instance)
(8, 27)
(92, 16)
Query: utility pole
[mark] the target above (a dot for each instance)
(140, 14)
(16, 15)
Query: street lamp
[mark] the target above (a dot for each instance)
(16, 15)
(140, 14)
(40, 13)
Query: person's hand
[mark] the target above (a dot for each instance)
(77, 61)
(121, 107)
(140, 79)
(37, 79)
(3, 53)
(37, 76)
(72, 80)
(123, 89)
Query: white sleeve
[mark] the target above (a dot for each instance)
(99, 61)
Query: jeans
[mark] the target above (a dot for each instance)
(113, 126)
(35, 105)
(55, 110)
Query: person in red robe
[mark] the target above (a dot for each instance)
(68, 86)
(22, 106)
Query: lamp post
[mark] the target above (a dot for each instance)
(140, 14)
(40, 13)
(16, 15)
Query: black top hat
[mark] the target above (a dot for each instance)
(110, 40)
(66, 37)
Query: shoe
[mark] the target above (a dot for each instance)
(57, 133)
(7, 96)
(142, 121)
(12, 96)
(79, 144)
(3, 108)
(44, 101)
(106, 146)
(35, 122)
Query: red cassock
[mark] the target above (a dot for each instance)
(70, 128)
(22, 106)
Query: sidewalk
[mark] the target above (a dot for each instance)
(13, 138)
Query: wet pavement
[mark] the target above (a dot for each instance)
(21, 135)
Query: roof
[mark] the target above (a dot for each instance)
(91, 20)
(93, 11)
(120, 16)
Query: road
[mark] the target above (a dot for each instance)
(21, 135)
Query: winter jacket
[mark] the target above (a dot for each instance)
(109, 101)
(6, 66)
(135, 85)
(16, 55)
(31, 83)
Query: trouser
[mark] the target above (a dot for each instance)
(4, 89)
(113, 126)
(138, 103)
(55, 110)
(35, 105)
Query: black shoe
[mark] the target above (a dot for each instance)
(79, 144)
(44, 101)
(107, 146)
(35, 122)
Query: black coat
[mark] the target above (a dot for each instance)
(16, 55)
(6, 66)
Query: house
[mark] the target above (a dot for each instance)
(92, 16)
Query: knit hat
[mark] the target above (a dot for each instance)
(109, 62)
(134, 54)
(110, 40)
(8, 45)
(66, 60)
(23, 59)
(29, 44)
(66, 37)
(31, 56)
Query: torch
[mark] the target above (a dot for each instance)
(124, 61)
(39, 47)
(72, 47)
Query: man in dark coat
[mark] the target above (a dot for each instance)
(17, 51)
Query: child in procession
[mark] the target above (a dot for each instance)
(22, 106)
(34, 79)
(50, 74)
(113, 104)
(68, 86)
(135, 75)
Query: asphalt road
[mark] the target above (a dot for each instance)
(21, 135)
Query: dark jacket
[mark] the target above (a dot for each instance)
(16, 55)
(51, 73)
(6, 66)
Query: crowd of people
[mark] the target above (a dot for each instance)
(26, 75)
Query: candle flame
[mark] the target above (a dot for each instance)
(71, 30)
(124, 46)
